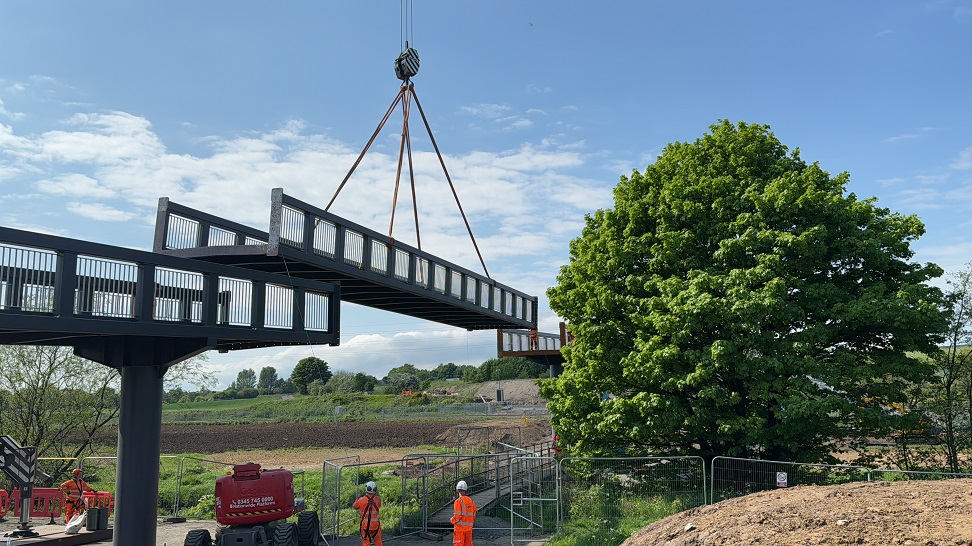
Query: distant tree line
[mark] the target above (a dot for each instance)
(312, 376)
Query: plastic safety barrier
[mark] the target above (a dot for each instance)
(44, 502)
(98, 499)
(4, 503)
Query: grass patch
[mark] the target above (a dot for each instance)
(592, 531)
(311, 408)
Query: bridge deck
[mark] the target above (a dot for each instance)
(58, 291)
(540, 347)
(373, 270)
(484, 500)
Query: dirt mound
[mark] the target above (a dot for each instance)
(524, 432)
(918, 513)
(515, 391)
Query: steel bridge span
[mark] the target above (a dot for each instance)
(304, 241)
(213, 284)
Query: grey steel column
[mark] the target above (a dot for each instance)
(139, 442)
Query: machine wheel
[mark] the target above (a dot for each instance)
(308, 529)
(199, 537)
(285, 534)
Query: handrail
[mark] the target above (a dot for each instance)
(96, 288)
(300, 231)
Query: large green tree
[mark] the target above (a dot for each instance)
(245, 379)
(268, 378)
(736, 301)
(308, 370)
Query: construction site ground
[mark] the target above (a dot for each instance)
(925, 513)
(907, 513)
(174, 534)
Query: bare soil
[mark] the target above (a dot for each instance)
(308, 445)
(916, 513)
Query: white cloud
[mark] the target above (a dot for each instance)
(931, 179)
(964, 160)
(914, 135)
(11, 115)
(519, 123)
(74, 184)
(919, 199)
(105, 139)
(900, 138)
(99, 211)
(487, 111)
(373, 354)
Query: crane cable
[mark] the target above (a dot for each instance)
(407, 29)
(406, 66)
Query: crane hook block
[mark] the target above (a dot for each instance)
(407, 64)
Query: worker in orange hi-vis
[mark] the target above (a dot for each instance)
(368, 505)
(72, 490)
(534, 338)
(463, 516)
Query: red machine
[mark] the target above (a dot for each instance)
(253, 504)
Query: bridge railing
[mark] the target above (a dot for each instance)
(519, 340)
(43, 275)
(179, 227)
(347, 248)
(300, 225)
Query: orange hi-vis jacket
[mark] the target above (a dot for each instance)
(73, 488)
(369, 505)
(463, 513)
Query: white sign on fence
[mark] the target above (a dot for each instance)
(781, 479)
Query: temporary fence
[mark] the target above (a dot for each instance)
(892, 475)
(524, 491)
(734, 477)
(608, 489)
(192, 482)
(334, 484)
(396, 505)
(533, 500)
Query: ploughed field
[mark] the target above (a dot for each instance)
(220, 438)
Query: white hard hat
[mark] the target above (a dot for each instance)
(461, 486)
(371, 487)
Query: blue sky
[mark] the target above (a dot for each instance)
(538, 106)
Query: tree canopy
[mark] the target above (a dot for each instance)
(245, 379)
(268, 379)
(736, 301)
(308, 370)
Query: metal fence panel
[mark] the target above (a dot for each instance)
(533, 499)
(333, 486)
(732, 477)
(608, 490)
(892, 475)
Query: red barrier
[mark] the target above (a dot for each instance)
(98, 499)
(4, 503)
(44, 502)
